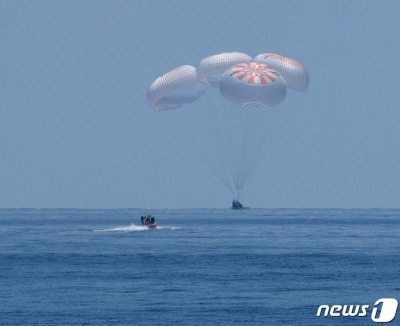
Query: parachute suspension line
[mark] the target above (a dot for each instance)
(230, 145)
(186, 142)
(242, 157)
(253, 155)
(243, 117)
(219, 130)
(264, 139)
(221, 109)
(245, 146)
(221, 148)
(224, 160)
(280, 127)
(233, 157)
(236, 136)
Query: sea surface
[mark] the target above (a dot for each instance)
(199, 267)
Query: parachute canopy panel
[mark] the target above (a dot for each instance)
(253, 85)
(292, 71)
(212, 68)
(175, 88)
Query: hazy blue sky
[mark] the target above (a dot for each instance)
(76, 129)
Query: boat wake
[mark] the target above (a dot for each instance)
(169, 227)
(130, 228)
(137, 228)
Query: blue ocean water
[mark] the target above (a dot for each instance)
(200, 267)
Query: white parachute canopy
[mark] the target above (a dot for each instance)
(292, 71)
(212, 68)
(175, 88)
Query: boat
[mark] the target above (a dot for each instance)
(148, 221)
(152, 226)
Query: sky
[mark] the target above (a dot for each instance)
(76, 129)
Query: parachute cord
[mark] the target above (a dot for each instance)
(231, 152)
(244, 146)
(228, 153)
(280, 127)
(234, 171)
(221, 149)
(246, 130)
(226, 162)
(184, 139)
(239, 157)
(257, 156)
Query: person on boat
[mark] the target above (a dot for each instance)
(147, 220)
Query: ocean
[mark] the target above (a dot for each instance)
(199, 267)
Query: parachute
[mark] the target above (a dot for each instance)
(253, 85)
(175, 88)
(293, 72)
(212, 68)
(251, 100)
